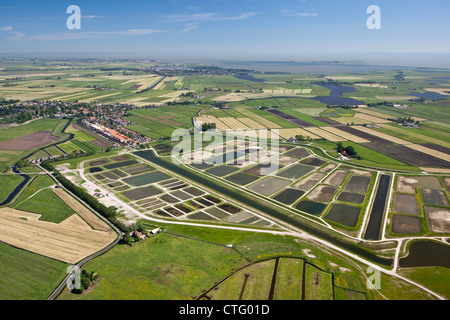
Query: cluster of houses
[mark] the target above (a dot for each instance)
(131, 138)
(142, 236)
(39, 160)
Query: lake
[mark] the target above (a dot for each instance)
(335, 98)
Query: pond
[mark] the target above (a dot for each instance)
(249, 78)
(427, 254)
(311, 207)
(335, 98)
(344, 214)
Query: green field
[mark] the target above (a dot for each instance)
(48, 204)
(171, 267)
(7, 185)
(28, 276)
(37, 183)
(69, 147)
(163, 267)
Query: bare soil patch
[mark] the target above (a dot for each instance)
(322, 193)
(408, 184)
(434, 197)
(405, 224)
(309, 181)
(438, 219)
(336, 178)
(405, 203)
(29, 141)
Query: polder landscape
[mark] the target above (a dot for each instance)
(354, 204)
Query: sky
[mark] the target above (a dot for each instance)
(226, 29)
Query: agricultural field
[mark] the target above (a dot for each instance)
(28, 276)
(17, 142)
(61, 227)
(376, 206)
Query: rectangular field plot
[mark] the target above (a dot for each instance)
(296, 171)
(201, 216)
(344, 214)
(298, 152)
(358, 184)
(313, 161)
(320, 284)
(322, 193)
(269, 185)
(310, 181)
(147, 178)
(345, 134)
(370, 118)
(405, 203)
(180, 194)
(258, 281)
(289, 280)
(222, 170)
(351, 197)
(289, 196)
(325, 134)
(137, 169)
(120, 164)
(434, 197)
(311, 207)
(241, 178)
(262, 169)
(408, 184)
(405, 224)
(383, 135)
(438, 219)
(291, 133)
(138, 194)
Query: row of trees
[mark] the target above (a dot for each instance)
(109, 213)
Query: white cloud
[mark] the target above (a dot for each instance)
(91, 17)
(14, 35)
(293, 13)
(86, 35)
(190, 26)
(209, 16)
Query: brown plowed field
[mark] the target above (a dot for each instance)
(399, 152)
(29, 141)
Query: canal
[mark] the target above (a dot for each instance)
(379, 205)
(17, 189)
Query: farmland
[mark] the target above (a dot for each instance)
(311, 198)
